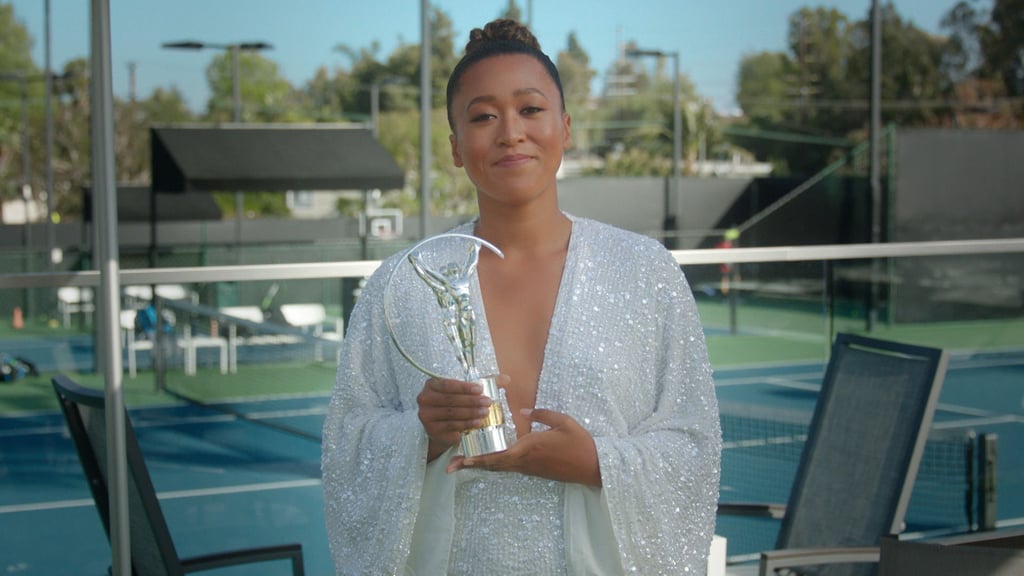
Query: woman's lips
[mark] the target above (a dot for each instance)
(513, 160)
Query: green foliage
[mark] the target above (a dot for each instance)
(264, 93)
(512, 12)
(254, 204)
(636, 162)
(819, 88)
(15, 60)
(989, 46)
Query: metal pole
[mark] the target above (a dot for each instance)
(677, 146)
(51, 200)
(236, 91)
(26, 191)
(374, 108)
(875, 179)
(236, 88)
(425, 113)
(105, 216)
(375, 127)
(26, 160)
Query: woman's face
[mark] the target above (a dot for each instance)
(509, 129)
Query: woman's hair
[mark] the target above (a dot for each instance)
(498, 38)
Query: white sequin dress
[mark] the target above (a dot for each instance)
(625, 357)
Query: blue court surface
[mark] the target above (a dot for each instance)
(248, 473)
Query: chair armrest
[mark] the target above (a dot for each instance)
(754, 509)
(291, 552)
(773, 560)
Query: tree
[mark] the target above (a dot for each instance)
(574, 68)
(512, 12)
(72, 154)
(762, 85)
(979, 63)
(1002, 43)
(16, 60)
(817, 93)
(912, 72)
(265, 94)
(132, 121)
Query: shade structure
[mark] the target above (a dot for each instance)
(134, 204)
(270, 157)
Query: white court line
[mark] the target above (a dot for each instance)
(973, 422)
(172, 495)
(171, 421)
(754, 380)
(761, 442)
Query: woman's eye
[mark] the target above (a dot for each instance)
(532, 109)
(482, 117)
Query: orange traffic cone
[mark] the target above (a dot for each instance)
(17, 322)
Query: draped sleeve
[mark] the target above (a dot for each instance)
(374, 448)
(661, 479)
(632, 367)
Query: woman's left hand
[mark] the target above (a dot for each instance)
(565, 452)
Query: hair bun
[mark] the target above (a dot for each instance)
(501, 30)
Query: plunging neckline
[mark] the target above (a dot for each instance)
(541, 397)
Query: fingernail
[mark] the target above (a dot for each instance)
(526, 411)
(476, 388)
(485, 401)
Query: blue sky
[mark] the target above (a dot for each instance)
(710, 36)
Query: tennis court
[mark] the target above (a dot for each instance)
(235, 456)
(245, 472)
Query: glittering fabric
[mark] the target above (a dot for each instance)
(625, 357)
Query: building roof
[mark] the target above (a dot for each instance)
(261, 157)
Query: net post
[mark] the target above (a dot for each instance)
(987, 480)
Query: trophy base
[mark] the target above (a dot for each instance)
(483, 441)
(490, 437)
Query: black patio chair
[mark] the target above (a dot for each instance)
(858, 465)
(152, 549)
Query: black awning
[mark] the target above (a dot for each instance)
(280, 157)
(133, 204)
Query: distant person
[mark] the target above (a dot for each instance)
(146, 326)
(613, 463)
(727, 269)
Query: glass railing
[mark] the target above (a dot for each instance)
(231, 335)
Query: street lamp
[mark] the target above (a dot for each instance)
(670, 220)
(234, 49)
(236, 91)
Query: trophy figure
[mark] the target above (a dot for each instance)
(451, 282)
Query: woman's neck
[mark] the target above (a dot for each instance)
(529, 231)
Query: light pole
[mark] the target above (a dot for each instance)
(234, 49)
(375, 127)
(677, 130)
(26, 177)
(236, 95)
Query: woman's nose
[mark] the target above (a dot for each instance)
(511, 130)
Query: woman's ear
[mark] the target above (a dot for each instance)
(566, 130)
(456, 158)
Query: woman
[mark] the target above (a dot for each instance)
(614, 463)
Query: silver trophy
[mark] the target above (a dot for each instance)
(447, 265)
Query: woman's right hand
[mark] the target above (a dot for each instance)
(446, 409)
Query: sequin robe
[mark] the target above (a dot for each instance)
(625, 357)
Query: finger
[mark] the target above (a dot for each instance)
(549, 418)
(454, 403)
(455, 464)
(440, 423)
(446, 386)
